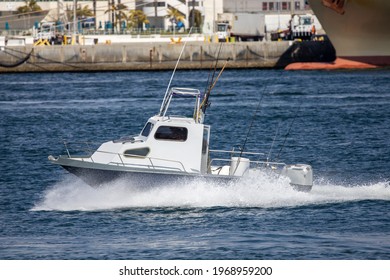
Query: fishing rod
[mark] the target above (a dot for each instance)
(272, 145)
(205, 102)
(208, 83)
(288, 132)
(249, 130)
(219, 75)
(252, 122)
(211, 83)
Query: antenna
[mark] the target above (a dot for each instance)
(174, 71)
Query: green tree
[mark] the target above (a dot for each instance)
(30, 6)
(83, 12)
(80, 12)
(119, 11)
(174, 16)
(136, 19)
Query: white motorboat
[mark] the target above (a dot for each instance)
(170, 149)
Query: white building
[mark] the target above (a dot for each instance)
(52, 10)
(214, 8)
(155, 10)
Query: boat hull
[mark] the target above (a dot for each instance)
(358, 29)
(139, 179)
(96, 175)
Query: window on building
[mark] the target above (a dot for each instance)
(271, 6)
(154, 4)
(265, 6)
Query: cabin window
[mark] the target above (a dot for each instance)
(172, 133)
(147, 129)
(140, 152)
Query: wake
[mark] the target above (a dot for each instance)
(259, 190)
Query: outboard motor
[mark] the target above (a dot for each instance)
(300, 175)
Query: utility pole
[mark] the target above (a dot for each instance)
(112, 15)
(155, 14)
(213, 16)
(74, 18)
(94, 14)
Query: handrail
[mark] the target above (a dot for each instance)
(153, 160)
(251, 161)
(152, 164)
(144, 157)
(237, 152)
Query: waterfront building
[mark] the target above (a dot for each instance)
(202, 14)
(214, 8)
(157, 13)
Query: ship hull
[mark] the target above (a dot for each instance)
(95, 175)
(358, 29)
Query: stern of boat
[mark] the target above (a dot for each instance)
(300, 175)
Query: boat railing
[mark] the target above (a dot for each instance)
(152, 161)
(257, 163)
(233, 153)
(181, 92)
(85, 147)
(122, 158)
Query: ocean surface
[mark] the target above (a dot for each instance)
(337, 121)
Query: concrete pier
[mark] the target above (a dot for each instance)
(139, 56)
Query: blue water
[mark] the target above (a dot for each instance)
(339, 122)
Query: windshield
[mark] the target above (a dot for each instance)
(221, 28)
(147, 129)
(306, 21)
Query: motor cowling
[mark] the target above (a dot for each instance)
(300, 175)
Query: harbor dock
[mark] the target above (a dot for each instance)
(159, 56)
(139, 56)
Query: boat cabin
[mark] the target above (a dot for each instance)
(166, 143)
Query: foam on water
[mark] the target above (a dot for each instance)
(259, 190)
